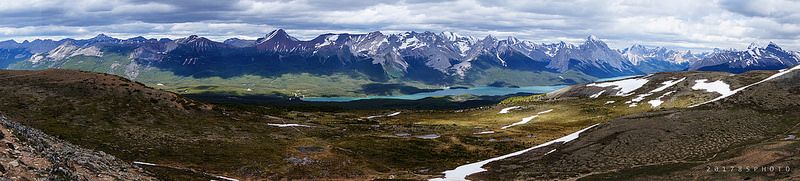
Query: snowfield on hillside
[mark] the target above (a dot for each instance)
(524, 121)
(717, 86)
(288, 125)
(527, 119)
(597, 94)
(667, 84)
(657, 102)
(623, 87)
(508, 109)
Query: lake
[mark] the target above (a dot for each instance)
(478, 91)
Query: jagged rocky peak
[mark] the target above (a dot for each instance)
(592, 38)
(190, 38)
(375, 33)
(279, 35)
(103, 37)
(452, 36)
(455, 37)
(773, 45)
(236, 42)
(200, 43)
(512, 40)
(137, 39)
(593, 41)
(635, 48)
(752, 45)
(562, 44)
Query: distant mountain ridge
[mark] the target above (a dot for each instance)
(659, 59)
(771, 57)
(444, 58)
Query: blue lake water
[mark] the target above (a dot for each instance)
(478, 91)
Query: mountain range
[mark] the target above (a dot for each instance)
(424, 58)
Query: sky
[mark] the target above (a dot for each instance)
(678, 24)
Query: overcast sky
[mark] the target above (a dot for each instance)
(681, 24)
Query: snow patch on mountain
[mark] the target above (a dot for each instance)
(623, 87)
(635, 101)
(667, 84)
(329, 40)
(287, 125)
(596, 95)
(718, 86)
(508, 109)
(657, 101)
(524, 121)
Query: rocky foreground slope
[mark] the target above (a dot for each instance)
(29, 154)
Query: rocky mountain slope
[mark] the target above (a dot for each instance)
(32, 155)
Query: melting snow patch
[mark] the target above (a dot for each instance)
(623, 87)
(551, 151)
(461, 172)
(524, 120)
(288, 125)
(597, 94)
(226, 178)
(657, 102)
(610, 102)
(635, 101)
(388, 115)
(716, 86)
(145, 163)
(428, 136)
(528, 119)
(508, 109)
(667, 84)
(776, 75)
(485, 132)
